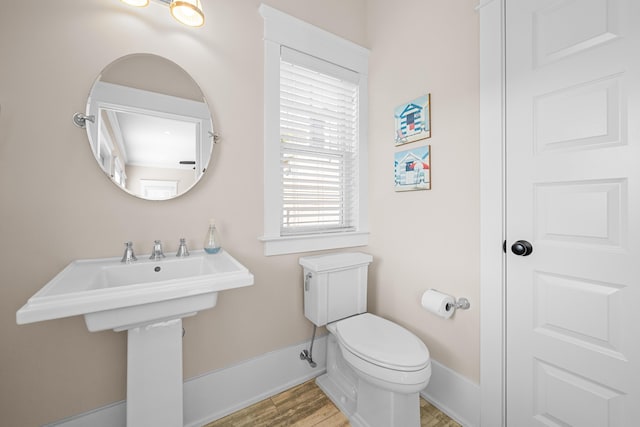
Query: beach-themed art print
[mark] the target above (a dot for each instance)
(413, 169)
(413, 120)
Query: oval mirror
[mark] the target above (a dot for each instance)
(149, 127)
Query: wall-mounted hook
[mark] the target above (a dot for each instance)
(80, 120)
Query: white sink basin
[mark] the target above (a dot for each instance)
(113, 295)
(148, 299)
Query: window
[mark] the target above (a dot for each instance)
(119, 175)
(315, 138)
(157, 189)
(318, 146)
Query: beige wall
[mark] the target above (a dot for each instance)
(424, 239)
(51, 213)
(153, 74)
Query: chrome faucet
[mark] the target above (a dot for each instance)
(156, 253)
(182, 249)
(128, 256)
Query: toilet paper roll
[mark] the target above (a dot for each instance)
(438, 303)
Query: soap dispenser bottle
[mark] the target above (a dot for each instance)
(212, 240)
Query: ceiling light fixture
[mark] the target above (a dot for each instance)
(187, 12)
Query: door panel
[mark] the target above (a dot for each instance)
(573, 191)
(561, 124)
(558, 34)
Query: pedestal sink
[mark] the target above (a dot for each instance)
(148, 299)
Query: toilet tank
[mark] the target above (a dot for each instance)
(335, 286)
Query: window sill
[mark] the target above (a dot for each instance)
(295, 244)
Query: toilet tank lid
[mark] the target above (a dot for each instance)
(336, 261)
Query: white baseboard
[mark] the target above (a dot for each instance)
(113, 415)
(222, 392)
(213, 395)
(454, 395)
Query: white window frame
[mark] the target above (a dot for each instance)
(281, 30)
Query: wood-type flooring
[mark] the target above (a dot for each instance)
(307, 406)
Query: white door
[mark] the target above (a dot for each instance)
(573, 192)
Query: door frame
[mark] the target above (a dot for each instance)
(492, 214)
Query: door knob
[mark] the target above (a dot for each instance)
(522, 248)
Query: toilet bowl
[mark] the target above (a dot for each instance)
(375, 368)
(383, 353)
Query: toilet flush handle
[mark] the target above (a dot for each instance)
(307, 278)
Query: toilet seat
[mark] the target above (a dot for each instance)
(385, 353)
(382, 342)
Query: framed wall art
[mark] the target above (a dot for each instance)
(413, 120)
(413, 169)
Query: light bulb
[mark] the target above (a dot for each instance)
(136, 3)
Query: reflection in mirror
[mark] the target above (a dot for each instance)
(153, 135)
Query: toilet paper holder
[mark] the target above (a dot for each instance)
(441, 304)
(461, 303)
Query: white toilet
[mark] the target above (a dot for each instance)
(375, 368)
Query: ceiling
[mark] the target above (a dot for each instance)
(157, 141)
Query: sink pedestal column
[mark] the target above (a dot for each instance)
(154, 375)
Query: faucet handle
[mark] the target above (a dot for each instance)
(128, 256)
(182, 249)
(156, 253)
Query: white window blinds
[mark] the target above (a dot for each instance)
(318, 145)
